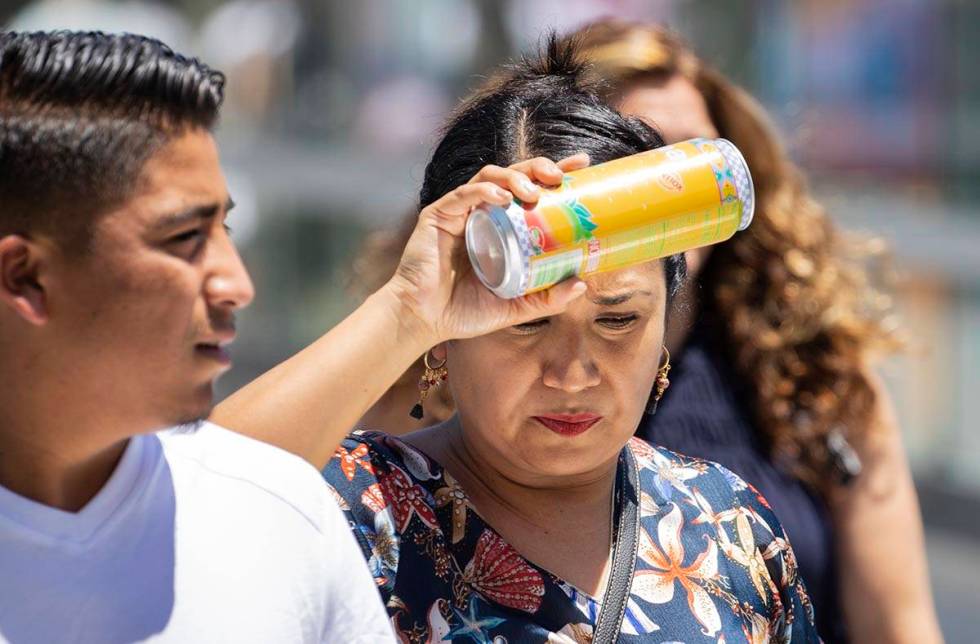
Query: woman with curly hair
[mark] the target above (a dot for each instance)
(773, 338)
(777, 350)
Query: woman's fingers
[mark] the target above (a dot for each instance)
(546, 303)
(541, 170)
(496, 185)
(523, 179)
(514, 179)
(549, 173)
(575, 162)
(450, 211)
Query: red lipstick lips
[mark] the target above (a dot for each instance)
(569, 424)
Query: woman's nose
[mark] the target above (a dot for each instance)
(571, 368)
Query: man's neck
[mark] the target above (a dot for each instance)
(54, 458)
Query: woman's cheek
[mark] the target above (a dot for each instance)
(486, 372)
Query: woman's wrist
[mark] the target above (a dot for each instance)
(397, 302)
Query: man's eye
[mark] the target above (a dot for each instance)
(617, 322)
(187, 236)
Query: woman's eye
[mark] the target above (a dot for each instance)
(617, 321)
(530, 327)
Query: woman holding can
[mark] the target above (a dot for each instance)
(533, 515)
(772, 339)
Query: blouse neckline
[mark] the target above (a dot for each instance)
(448, 490)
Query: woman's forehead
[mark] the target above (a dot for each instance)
(646, 278)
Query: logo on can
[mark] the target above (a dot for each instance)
(671, 180)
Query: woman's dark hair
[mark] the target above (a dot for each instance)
(80, 114)
(540, 106)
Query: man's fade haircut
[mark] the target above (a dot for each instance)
(80, 114)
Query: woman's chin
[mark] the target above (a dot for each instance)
(559, 456)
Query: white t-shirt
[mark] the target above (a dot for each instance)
(203, 536)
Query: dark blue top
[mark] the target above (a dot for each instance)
(701, 415)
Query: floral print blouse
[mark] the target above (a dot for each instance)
(712, 565)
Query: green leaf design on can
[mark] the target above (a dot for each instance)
(579, 216)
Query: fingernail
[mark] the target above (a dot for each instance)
(502, 194)
(528, 186)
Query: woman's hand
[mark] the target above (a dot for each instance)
(308, 403)
(435, 283)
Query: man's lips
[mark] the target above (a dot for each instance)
(215, 346)
(213, 351)
(569, 424)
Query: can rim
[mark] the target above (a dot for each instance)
(510, 284)
(746, 187)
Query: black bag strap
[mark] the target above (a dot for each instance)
(625, 543)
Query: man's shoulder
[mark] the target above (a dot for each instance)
(251, 468)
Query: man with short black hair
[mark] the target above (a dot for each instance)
(118, 289)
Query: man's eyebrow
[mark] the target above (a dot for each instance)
(618, 298)
(195, 213)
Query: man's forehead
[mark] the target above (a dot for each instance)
(184, 174)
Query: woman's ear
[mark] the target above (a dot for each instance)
(439, 351)
(21, 263)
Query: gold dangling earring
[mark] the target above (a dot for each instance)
(661, 383)
(433, 377)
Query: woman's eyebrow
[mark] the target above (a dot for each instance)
(617, 298)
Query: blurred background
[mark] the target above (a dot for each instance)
(331, 108)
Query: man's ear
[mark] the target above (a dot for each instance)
(21, 262)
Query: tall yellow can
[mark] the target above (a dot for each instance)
(616, 214)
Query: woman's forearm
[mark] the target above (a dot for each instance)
(884, 578)
(308, 403)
